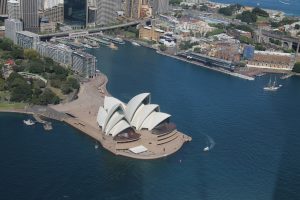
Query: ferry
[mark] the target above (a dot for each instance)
(135, 44)
(28, 122)
(272, 86)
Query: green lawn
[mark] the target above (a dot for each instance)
(11, 106)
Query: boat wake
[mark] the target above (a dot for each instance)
(285, 2)
(210, 143)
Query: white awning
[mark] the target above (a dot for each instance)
(138, 149)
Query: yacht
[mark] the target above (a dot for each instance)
(28, 122)
(272, 86)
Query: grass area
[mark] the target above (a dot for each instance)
(262, 19)
(129, 34)
(11, 106)
(57, 92)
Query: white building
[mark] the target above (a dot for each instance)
(27, 40)
(12, 26)
(84, 64)
(119, 120)
(13, 9)
(58, 52)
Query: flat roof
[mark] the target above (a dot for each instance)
(138, 149)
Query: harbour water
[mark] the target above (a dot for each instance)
(290, 7)
(256, 136)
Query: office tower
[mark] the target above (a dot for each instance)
(3, 7)
(159, 6)
(106, 12)
(53, 10)
(75, 12)
(29, 14)
(13, 9)
(132, 8)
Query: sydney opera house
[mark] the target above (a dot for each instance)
(138, 128)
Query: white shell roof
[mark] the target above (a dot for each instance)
(102, 114)
(134, 103)
(109, 102)
(116, 108)
(154, 119)
(114, 119)
(119, 127)
(142, 113)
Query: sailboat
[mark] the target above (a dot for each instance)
(272, 86)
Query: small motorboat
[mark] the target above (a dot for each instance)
(96, 146)
(206, 149)
(28, 122)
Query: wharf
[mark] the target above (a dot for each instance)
(98, 40)
(212, 68)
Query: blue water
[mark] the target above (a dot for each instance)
(256, 135)
(290, 7)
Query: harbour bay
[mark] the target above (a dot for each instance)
(255, 156)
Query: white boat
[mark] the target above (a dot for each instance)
(135, 44)
(272, 86)
(206, 149)
(28, 122)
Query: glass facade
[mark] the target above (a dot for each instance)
(75, 12)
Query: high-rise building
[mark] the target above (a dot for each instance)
(29, 14)
(132, 8)
(54, 10)
(12, 26)
(159, 6)
(106, 12)
(75, 12)
(3, 7)
(13, 9)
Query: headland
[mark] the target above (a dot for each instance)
(82, 115)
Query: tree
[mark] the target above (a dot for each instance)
(30, 54)
(297, 26)
(175, 2)
(73, 82)
(6, 44)
(296, 67)
(2, 84)
(21, 93)
(227, 11)
(203, 8)
(260, 12)
(17, 52)
(162, 47)
(48, 97)
(246, 40)
(247, 17)
(66, 88)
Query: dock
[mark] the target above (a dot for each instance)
(103, 42)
